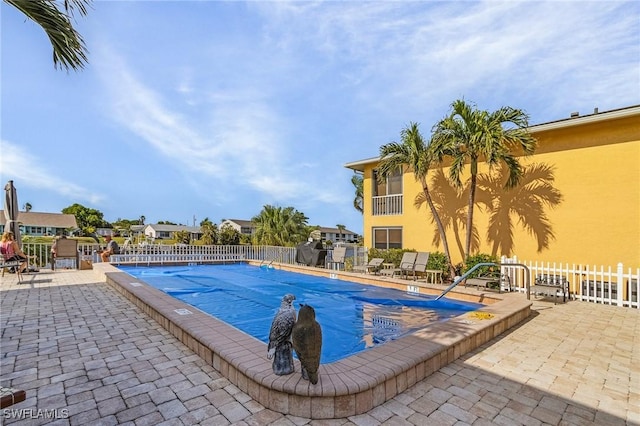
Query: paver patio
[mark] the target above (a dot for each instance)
(86, 355)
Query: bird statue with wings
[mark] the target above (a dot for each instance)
(280, 348)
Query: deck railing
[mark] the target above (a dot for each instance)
(159, 253)
(387, 205)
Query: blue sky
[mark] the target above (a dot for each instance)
(214, 109)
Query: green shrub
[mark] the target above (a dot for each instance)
(389, 255)
(438, 262)
(471, 261)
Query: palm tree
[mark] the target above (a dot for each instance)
(469, 135)
(209, 232)
(414, 153)
(228, 235)
(182, 237)
(69, 50)
(141, 220)
(358, 202)
(27, 207)
(341, 229)
(279, 226)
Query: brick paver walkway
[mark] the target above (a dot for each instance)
(87, 356)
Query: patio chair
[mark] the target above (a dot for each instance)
(406, 265)
(5, 265)
(337, 258)
(420, 267)
(66, 248)
(373, 266)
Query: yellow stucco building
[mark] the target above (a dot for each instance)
(578, 202)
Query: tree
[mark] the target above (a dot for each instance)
(228, 235)
(182, 237)
(209, 232)
(469, 135)
(87, 219)
(358, 182)
(414, 153)
(69, 50)
(124, 225)
(141, 220)
(27, 207)
(341, 229)
(279, 226)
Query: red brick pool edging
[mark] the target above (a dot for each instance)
(348, 387)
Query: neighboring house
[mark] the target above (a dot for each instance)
(165, 232)
(244, 227)
(41, 224)
(137, 229)
(336, 236)
(592, 161)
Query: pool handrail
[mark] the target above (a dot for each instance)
(478, 265)
(276, 257)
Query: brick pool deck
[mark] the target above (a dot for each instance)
(86, 355)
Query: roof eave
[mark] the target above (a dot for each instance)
(358, 166)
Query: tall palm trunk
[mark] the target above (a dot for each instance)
(472, 200)
(436, 216)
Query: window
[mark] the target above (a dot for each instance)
(387, 238)
(33, 230)
(389, 186)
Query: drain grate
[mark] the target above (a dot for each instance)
(182, 311)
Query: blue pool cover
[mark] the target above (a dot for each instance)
(353, 316)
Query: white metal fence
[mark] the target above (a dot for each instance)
(158, 253)
(599, 284)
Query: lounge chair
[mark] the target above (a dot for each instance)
(337, 258)
(373, 266)
(420, 264)
(433, 276)
(406, 265)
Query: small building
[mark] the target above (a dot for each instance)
(166, 232)
(244, 227)
(336, 235)
(40, 224)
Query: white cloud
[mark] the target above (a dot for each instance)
(16, 163)
(235, 137)
(430, 53)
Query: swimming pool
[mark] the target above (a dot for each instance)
(353, 316)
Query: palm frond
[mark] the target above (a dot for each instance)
(69, 50)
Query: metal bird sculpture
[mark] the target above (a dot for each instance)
(279, 348)
(307, 342)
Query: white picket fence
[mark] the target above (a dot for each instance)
(599, 284)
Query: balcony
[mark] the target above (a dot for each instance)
(387, 205)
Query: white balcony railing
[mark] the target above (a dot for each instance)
(387, 205)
